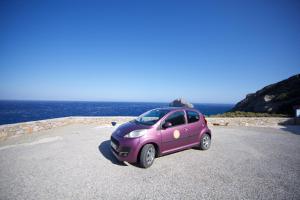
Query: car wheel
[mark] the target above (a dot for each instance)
(205, 142)
(147, 156)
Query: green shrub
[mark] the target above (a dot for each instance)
(247, 114)
(282, 97)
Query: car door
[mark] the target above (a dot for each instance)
(174, 136)
(193, 126)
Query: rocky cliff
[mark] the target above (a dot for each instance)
(180, 102)
(279, 98)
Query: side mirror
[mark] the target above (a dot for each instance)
(166, 125)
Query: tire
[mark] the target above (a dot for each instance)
(205, 142)
(147, 155)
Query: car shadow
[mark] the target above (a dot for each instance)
(104, 149)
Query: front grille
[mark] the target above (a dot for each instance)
(114, 150)
(115, 141)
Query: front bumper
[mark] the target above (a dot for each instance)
(125, 149)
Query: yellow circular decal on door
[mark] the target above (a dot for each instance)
(176, 134)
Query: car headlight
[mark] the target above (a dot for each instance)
(136, 133)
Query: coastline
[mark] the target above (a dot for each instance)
(25, 128)
(12, 112)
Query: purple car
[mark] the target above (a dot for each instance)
(158, 132)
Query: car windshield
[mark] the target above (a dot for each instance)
(151, 117)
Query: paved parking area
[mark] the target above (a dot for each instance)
(74, 162)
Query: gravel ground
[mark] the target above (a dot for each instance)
(74, 162)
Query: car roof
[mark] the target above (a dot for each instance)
(177, 108)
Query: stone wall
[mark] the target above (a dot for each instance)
(35, 126)
(251, 121)
(10, 130)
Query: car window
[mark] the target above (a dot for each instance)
(176, 118)
(192, 116)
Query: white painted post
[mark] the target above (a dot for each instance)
(298, 112)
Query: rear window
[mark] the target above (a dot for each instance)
(192, 116)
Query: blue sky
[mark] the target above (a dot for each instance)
(204, 51)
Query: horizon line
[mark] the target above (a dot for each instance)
(114, 101)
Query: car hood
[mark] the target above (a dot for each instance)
(128, 127)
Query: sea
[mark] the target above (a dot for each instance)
(24, 111)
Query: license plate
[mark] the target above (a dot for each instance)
(113, 145)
